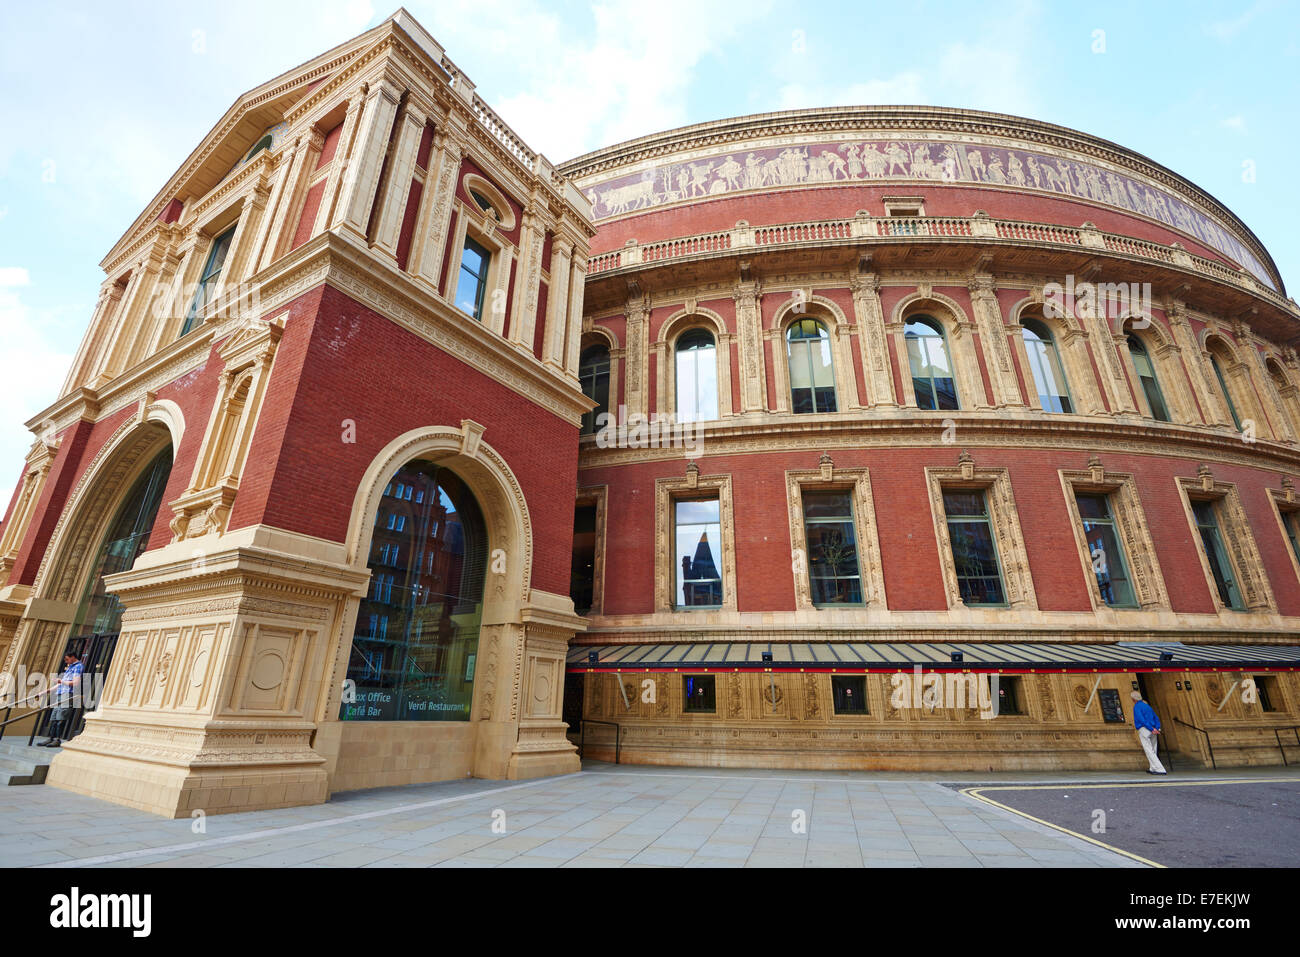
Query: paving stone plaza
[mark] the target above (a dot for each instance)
(604, 816)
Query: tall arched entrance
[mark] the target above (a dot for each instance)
(415, 643)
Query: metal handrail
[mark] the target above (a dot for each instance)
(582, 737)
(1210, 746)
(1277, 733)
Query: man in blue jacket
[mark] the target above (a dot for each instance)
(1148, 726)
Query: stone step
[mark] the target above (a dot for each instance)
(24, 765)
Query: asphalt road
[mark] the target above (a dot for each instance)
(1212, 824)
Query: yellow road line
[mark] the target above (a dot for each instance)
(978, 794)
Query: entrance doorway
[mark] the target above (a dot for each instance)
(574, 690)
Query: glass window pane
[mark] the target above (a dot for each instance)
(1105, 550)
(698, 538)
(974, 553)
(415, 647)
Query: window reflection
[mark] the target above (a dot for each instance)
(698, 550)
(697, 377)
(416, 638)
(1045, 364)
(812, 373)
(930, 364)
(1105, 550)
(974, 550)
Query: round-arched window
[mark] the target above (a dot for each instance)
(697, 377)
(593, 375)
(1045, 364)
(812, 371)
(415, 644)
(263, 144)
(100, 613)
(930, 363)
(1146, 372)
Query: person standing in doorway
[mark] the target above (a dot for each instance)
(1148, 726)
(61, 713)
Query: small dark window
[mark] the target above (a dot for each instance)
(1008, 695)
(483, 203)
(832, 548)
(700, 693)
(850, 693)
(1269, 697)
(582, 581)
(593, 375)
(208, 280)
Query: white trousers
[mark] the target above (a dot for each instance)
(1149, 746)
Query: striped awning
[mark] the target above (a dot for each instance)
(892, 656)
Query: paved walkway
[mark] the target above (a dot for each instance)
(605, 816)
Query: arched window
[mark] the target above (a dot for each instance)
(1146, 371)
(1223, 387)
(1045, 364)
(593, 374)
(931, 365)
(812, 373)
(697, 377)
(416, 638)
(263, 144)
(100, 613)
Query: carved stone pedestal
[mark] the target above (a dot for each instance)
(212, 699)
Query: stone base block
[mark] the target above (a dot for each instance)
(176, 792)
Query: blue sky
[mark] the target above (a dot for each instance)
(99, 103)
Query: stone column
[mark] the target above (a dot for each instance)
(577, 283)
(637, 390)
(352, 211)
(523, 317)
(749, 332)
(338, 165)
(440, 195)
(874, 344)
(401, 167)
(557, 301)
(997, 352)
(1197, 362)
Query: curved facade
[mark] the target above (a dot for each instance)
(982, 384)
(393, 453)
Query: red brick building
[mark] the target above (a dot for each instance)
(332, 497)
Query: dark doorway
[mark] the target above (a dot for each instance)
(574, 690)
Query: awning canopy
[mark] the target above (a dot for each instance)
(852, 656)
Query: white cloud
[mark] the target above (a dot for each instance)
(1227, 29)
(572, 86)
(31, 367)
(1237, 123)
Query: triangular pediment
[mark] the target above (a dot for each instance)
(225, 147)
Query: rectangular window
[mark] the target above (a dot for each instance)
(209, 279)
(832, 548)
(582, 580)
(1291, 522)
(699, 694)
(1105, 550)
(1009, 697)
(974, 550)
(698, 533)
(1266, 688)
(472, 283)
(850, 693)
(1207, 523)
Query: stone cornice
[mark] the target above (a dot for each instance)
(764, 433)
(893, 120)
(356, 272)
(243, 105)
